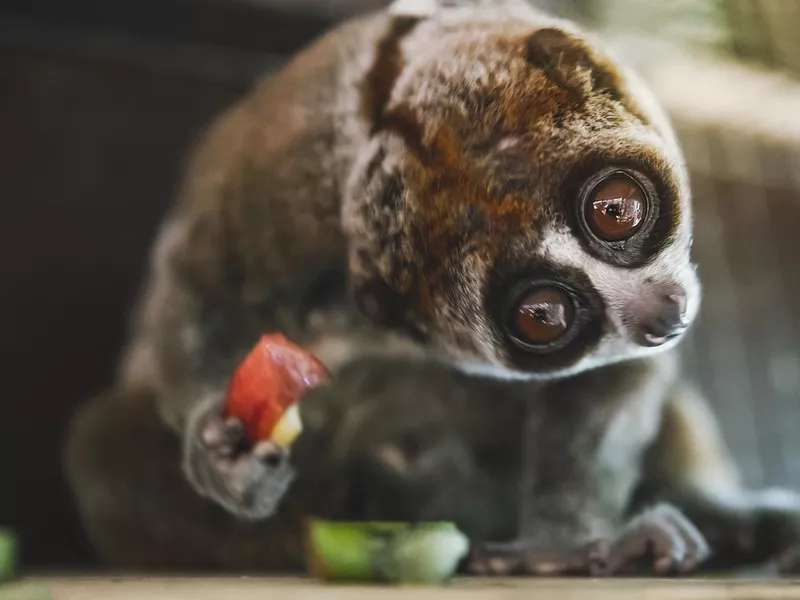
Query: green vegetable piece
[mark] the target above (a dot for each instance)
(425, 554)
(348, 550)
(8, 555)
(382, 551)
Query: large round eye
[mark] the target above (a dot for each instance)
(542, 316)
(615, 208)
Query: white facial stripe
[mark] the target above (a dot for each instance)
(485, 369)
(619, 286)
(414, 8)
(495, 371)
(616, 285)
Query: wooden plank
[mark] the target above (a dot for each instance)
(471, 589)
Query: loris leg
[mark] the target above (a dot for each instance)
(574, 521)
(690, 466)
(139, 509)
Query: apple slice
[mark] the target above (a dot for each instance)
(266, 387)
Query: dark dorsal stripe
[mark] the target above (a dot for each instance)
(562, 58)
(385, 70)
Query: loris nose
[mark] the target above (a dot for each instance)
(664, 319)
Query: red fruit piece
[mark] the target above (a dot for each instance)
(271, 378)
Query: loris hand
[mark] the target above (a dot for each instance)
(247, 481)
(384, 432)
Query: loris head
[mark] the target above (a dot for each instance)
(522, 204)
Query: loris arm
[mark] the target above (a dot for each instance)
(191, 335)
(124, 465)
(191, 339)
(251, 243)
(690, 466)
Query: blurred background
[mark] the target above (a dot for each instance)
(100, 101)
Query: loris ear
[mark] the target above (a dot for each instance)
(572, 64)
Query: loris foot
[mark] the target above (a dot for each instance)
(520, 558)
(660, 541)
(249, 481)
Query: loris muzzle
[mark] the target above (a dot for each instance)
(522, 206)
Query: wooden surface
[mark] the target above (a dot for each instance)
(280, 589)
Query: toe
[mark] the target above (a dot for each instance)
(669, 548)
(213, 434)
(789, 561)
(580, 561)
(499, 559)
(501, 565)
(234, 430)
(651, 535)
(517, 558)
(696, 548)
(222, 437)
(597, 556)
(477, 566)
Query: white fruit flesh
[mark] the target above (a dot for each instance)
(288, 427)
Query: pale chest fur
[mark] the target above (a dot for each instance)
(584, 444)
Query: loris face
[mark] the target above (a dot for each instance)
(522, 205)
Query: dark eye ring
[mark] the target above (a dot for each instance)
(615, 207)
(541, 317)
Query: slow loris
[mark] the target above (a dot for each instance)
(484, 226)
